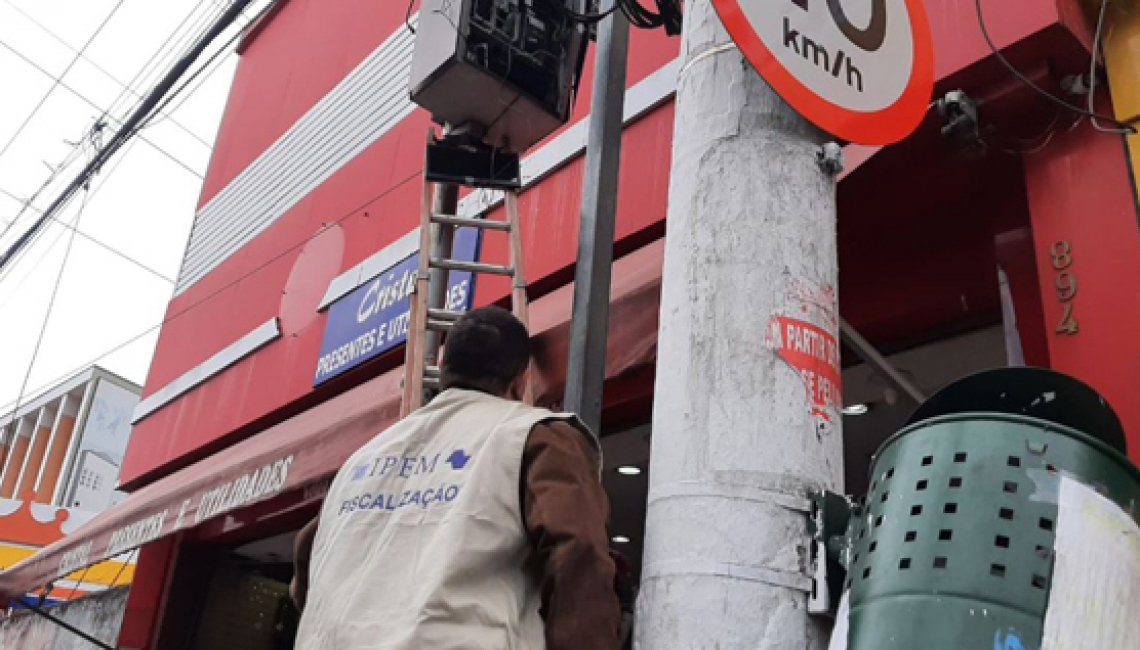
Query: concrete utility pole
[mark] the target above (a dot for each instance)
(737, 440)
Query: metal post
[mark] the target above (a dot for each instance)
(746, 420)
(878, 363)
(586, 369)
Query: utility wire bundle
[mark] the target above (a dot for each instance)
(668, 14)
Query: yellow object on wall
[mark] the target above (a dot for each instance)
(1121, 47)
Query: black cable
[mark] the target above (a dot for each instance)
(161, 54)
(75, 92)
(78, 582)
(95, 65)
(130, 125)
(408, 17)
(224, 49)
(104, 179)
(668, 14)
(59, 79)
(130, 558)
(1124, 126)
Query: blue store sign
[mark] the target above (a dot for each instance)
(374, 317)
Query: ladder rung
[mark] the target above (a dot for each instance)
(431, 372)
(452, 220)
(431, 382)
(473, 267)
(445, 314)
(440, 325)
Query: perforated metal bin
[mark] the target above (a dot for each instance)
(954, 545)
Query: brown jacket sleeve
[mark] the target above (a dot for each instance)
(565, 511)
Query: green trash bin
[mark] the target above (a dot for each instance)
(954, 545)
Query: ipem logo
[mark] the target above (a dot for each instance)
(860, 69)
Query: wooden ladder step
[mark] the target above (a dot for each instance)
(445, 314)
(488, 224)
(473, 267)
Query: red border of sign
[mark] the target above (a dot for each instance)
(886, 126)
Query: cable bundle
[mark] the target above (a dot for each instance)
(668, 14)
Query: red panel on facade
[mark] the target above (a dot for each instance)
(1087, 237)
(370, 202)
(304, 52)
(307, 48)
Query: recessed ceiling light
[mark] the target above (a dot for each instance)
(629, 470)
(856, 409)
(620, 539)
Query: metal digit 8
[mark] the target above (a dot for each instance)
(1062, 255)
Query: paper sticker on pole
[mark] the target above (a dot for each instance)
(863, 70)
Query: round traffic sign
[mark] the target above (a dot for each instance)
(861, 70)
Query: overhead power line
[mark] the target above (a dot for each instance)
(97, 107)
(104, 178)
(99, 68)
(51, 305)
(132, 124)
(59, 79)
(170, 47)
(195, 31)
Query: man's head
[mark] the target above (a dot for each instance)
(487, 350)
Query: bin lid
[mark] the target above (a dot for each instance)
(1032, 392)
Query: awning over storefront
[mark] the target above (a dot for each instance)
(308, 447)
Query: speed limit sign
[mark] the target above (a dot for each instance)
(863, 70)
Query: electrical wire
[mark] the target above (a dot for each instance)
(168, 113)
(130, 558)
(160, 55)
(97, 67)
(81, 96)
(356, 210)
(408, 17)
(51, 306)
(1093, 76)
(71, 157)
(59, 79)
(104, 179)
(223, 50)
(1124, 126)
(668, 14)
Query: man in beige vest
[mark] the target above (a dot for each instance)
(476, 523)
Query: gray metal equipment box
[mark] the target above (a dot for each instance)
(507, 68)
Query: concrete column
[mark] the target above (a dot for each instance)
(16, 455)
(57, 448)
(746, 412)
(37, 448)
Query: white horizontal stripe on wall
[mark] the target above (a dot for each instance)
(368, 102)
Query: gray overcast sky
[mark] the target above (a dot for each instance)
(142, 204)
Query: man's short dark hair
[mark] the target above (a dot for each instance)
(487, 350)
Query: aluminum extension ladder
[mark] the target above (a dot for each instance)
(429, 319)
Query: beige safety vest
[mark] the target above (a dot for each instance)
(421, 543)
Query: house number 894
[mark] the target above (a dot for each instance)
(1066, 283)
